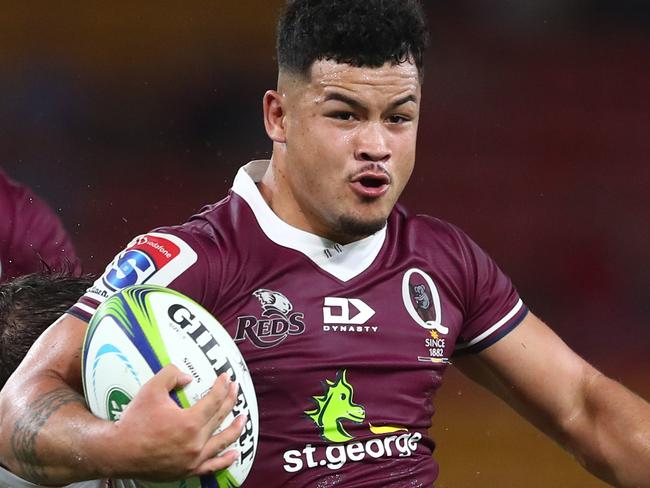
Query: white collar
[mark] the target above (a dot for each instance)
(342, 261)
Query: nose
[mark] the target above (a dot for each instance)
(372, 144)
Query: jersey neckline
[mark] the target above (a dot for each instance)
(343, 261)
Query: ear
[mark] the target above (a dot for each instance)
(274, 114)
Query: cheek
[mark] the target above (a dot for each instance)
(405, 155)
(311, 137)
(328, 152)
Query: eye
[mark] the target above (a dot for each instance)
(343, 396)
(345, 116)
(397, 119)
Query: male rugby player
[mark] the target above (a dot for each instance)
(346, 307)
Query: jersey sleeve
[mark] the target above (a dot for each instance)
(492, 305)
(166, 257)
(33, 236)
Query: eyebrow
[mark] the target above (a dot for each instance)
(358, 105)
(343, 98)
(403, 100)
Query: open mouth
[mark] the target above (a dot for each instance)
(372, 179)
(371, 184)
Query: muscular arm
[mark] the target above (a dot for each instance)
(48, 436)
(38, 404)
(604, 425)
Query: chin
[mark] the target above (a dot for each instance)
(355, 228)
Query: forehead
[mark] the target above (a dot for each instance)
(390, 78)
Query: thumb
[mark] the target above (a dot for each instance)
(170, 378)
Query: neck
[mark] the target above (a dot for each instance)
(268, 186)
(278, 194)
(279, 197)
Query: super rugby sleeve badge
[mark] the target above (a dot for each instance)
(155, 258)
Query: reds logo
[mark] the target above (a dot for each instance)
(272, 301)
(277, 322)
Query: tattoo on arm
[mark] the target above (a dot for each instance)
(26, 430)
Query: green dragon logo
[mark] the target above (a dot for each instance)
(335, 406)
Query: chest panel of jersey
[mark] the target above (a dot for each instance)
(307, 336)
(345, 359)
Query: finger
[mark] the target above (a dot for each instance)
(216, 463)
(214, 398)
(216, 444)
(223, 410)
(169, 378)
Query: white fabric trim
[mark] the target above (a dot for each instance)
(85, 308)
(342, 261)
(494, 328)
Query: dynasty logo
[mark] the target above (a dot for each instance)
(334, 407)
(277, 322)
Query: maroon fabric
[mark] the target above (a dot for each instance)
(32, 237)
(273, 301)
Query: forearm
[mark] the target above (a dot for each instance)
(604, 425)
(47, 434)
(610, 433)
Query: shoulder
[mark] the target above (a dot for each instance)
(225, 231)
(30, 211)
(185, 257)
(425, 231)
(436, 244)
(16, 193)
(8, 185)
(194, 240)
(210, 224)
(14, 196)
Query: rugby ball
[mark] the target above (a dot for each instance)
(140, 329)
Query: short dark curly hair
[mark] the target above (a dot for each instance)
(356, 32)
(28, 305)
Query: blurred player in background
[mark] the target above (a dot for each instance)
(32, 237)
(347, 308)
(29, 305)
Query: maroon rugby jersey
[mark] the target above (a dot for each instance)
(346, 344)
(31, 235)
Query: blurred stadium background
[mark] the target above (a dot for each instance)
(534, 138)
